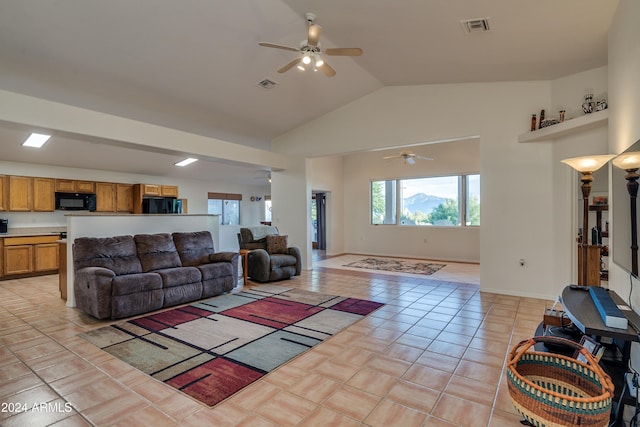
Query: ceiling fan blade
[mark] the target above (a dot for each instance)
(423, 158)
(409, 160)
(344, 51)
(391, 157)
(278, 46)
(289, 65)
(327, 70)
(314, 34)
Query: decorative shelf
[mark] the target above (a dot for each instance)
(568, 127)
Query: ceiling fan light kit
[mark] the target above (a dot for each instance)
(310, 53)
(407, 157)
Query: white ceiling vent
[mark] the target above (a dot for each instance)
(480, 25)
(266, 84)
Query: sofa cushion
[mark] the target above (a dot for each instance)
(179, 276)
(156, 251)
(194, 248)
(115, 253)
(277, 245)
(215, 270)
(135, 283)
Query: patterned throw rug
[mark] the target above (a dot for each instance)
(215, 347)
(396, 266)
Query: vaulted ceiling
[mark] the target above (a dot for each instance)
(195, 65)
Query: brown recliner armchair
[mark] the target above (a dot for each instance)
(270, 258)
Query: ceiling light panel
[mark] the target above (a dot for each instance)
(186, 162)
(36, 140)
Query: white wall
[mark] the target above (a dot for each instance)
(326, 175)
(568, 93)
(438, 243)
(519, 185)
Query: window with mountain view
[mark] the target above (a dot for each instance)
(445, 201)
(383, 202)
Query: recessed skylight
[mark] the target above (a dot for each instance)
(186, 162)
(36, 140)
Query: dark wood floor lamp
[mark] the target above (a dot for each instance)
(586, 165)
(630, 162)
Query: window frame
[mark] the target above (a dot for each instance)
(225, 198)
(463, 200)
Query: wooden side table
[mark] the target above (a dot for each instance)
(244, 255)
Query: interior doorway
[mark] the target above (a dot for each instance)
(318, 220)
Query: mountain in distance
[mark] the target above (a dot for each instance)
(421, 202)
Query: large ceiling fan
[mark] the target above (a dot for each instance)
(310, 53)
(408, 157)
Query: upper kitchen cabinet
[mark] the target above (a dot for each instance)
(28, 194)
(20, 193)
(124, 197)
(74, 186)
(105, 197)
(169, 190)
(3, 193)
(44, 195)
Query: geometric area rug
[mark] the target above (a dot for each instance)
(215, 347)
(397, 266)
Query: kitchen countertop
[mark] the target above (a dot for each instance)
(33, 231)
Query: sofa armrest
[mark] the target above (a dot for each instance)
(294, 251)
(92, 287)
(231, 257)
(259, 265)
(224, 257)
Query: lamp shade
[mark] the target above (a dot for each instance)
(588, 163)
(628, 161)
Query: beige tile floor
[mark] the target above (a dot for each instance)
(434, 355)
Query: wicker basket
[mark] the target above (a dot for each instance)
(552, 390)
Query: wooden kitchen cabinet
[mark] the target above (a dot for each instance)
(29, 254)
(44, 195)
(45, 257)
(169, 190)
(18, 259)
(105, 197)
(124, 197)
(145, 190)
(151, 190)
(4, 190)
(74, 186)
(20, 193)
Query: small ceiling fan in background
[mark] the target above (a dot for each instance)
(408, 157)
(310, 53)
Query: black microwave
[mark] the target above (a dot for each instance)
(75, 202)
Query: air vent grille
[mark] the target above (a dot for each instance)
(266, 83)
(480, 25)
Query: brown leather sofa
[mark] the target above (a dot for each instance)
(123, 276)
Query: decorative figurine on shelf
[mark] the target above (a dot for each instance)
(588, 106)
(601, 105)
(533, 122)
(541, 119)
(562, 113)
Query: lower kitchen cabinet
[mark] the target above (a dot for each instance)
(29, 255)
